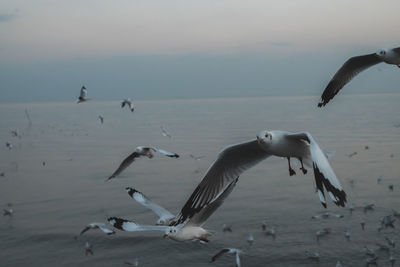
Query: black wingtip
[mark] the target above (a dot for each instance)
(118, 222)
(323, 205)
(131, 191)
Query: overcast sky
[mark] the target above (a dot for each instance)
(152, 49)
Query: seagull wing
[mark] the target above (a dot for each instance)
(219, 254)
(231, 163)
(107, 231)
(199, 218)
(125, 164)
(348, 71)
(396, 50)
(130, 226)
(238, 259)
(142, 199)
(166, 153)
(323, 172)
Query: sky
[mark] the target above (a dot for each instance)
(157, 49)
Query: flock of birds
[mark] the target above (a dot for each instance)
(222, 176)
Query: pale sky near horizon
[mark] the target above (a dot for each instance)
(118, 37)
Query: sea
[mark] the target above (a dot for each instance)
(55, 180)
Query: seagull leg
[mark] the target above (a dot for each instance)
(291, 171)
(302, 166)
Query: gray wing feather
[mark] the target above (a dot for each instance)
(125, 164)
(348, 71)
(231, 163)
(219, 254)
(130, 226)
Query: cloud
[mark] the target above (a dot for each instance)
(7, 17)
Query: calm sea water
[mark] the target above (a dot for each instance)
(53, 203)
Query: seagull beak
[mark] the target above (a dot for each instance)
(165, 236)
(260, 139)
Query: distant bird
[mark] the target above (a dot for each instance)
(379, 180)
(369, 252)
(96, 225)
(371, 260)
(139, 152)
(326, 215)
(165, 217)
(8, 212)
(9, 146)
(128, 102)
(368, 207)
(2, 174)
(347, 235)
(250, 239)
(338, 264)
(101, 119)
(391, 187)
(366, 147)
(387, 221)
(235, 251)
(314, 255)
(392, 259)
(354, 66)
(44, 163)
(82, 95)
(196, 157)
(135, 263)
(383, 247)
(322, 233)
(271, 232)
(352, 154)
(362, 225)
(227, 228)
(396, 213)
(263, 225)
(88, 249)
(15, 133)
(391, 242)
(164, 132)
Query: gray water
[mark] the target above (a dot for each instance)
(53, 203)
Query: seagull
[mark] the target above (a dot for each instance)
(263, 225)
(322, 232)
(387, 221)
(184, 227)
(271, 232)
(354, 66)
(250, 239)
(379, 180)
(225, 171)
(368, 207)
(391, 242)
(96, 225)
(8, 212)
(235, 251)
(227, 228)
(326, 215)
(134, 263)
(383, 247)
(9, 145)
(141, 151)
(313, 256)
(101, 119)
(362, 225)
(164, 132)
(15, 133)
(88, 248)
(391, 187)
(82, 95)
(347, 235)
(369, 252)
(2, 174)
(352, 154)
(396, 213)
(392, 259)
(165, 217)
(371, 261)
(128, 103)
(196, 157)
(338, 264)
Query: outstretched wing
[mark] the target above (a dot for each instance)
(125, 164)
(142, 199)
(348, 71)
(219, 254)
(130, 226)
(323, 172)
(231, 163)
(166, 153)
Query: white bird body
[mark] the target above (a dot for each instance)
(82, 95)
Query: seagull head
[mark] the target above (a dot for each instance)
(381, 53)
(264, 138)
(171, 232)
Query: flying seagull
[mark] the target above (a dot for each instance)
(179, 229)
(164, 132)
(231, 163)
(141, 151)
(88, 249)
(235, 251)
(354, 66)
(165, 217)
(101, 118)
(82, 95)
(96, 225)
(127, 102)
